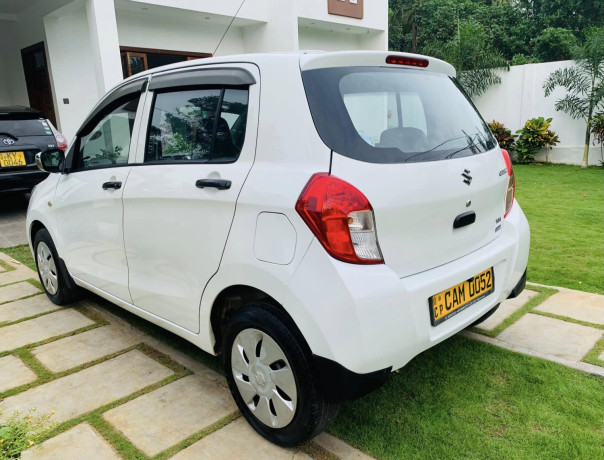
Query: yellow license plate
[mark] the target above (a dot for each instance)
(457, 298)
(8, 159)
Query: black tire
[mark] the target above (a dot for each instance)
(66, 289)
(312, 413)
(485, 316)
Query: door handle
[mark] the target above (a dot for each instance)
(220, 184)
(114, 185)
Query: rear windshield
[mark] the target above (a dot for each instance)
(19, 128)
(384, 115)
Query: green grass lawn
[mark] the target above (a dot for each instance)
(565, 209)
(467, 399)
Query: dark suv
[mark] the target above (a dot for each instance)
(23, 133)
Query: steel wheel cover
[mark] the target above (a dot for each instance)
(264, 378)
(47, 268)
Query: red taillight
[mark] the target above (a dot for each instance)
(404, 60)
(61, 141)
(341, 218)
(511, 188)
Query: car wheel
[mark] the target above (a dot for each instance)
(271, 375)
(485, 316)
(59, 288)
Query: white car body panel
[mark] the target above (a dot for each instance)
(90, 228)
(366, 318)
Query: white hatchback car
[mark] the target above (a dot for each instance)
(318, 219)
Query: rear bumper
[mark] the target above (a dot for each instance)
(17, 181)
(367, 319)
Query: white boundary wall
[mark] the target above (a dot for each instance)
(520, 97)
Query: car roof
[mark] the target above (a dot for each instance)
(307, 58)
(21, 110)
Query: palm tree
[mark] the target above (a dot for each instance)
(584, 83)
(472, 57)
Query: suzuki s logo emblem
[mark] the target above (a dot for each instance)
(8, 141)
(467, 179)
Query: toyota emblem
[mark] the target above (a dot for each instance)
(8, 141)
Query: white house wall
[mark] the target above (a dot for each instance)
(279, 33)
(520, 97)
(317, 39)
(6, 60)
(73, 71)
(375, 14)
(187, 33)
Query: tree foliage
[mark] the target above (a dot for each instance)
(583, 83)
(472, 57)
(511, 26)
(555, 44)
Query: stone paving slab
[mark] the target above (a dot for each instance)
(41, 328)
(339, 448)
(17, 291)
(506, 309)
(14, 373)
(582, 306)
(237, 441)
(86, 390)
(172, 413)
(25, 308)
(19, 274)
(78, 349)
(79, 442)
(551, 336)
(601, 357)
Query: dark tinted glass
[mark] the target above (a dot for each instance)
(384, 115)
(108, 144)
(230, 132)
(19, 128)
(201, 125)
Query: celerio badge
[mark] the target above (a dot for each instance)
(466, 175)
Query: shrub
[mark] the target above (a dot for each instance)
(521, 59)
(21, 432)
(503, 135)
(596, 125)
(533, 136)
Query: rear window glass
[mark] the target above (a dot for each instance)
(383, 115)
(19, 128)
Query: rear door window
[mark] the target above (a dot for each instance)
(385, 115)
(197, 125)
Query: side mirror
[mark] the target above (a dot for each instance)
(51, 161)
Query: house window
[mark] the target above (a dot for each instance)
(135, 60)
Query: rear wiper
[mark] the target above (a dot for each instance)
(470, 145)
(434, 148)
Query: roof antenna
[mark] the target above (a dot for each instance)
(228, 27)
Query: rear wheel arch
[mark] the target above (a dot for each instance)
(232, 299)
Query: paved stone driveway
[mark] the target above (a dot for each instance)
(12, 220)
(557, 324)
(106, 380)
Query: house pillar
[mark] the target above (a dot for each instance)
(102, 26)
